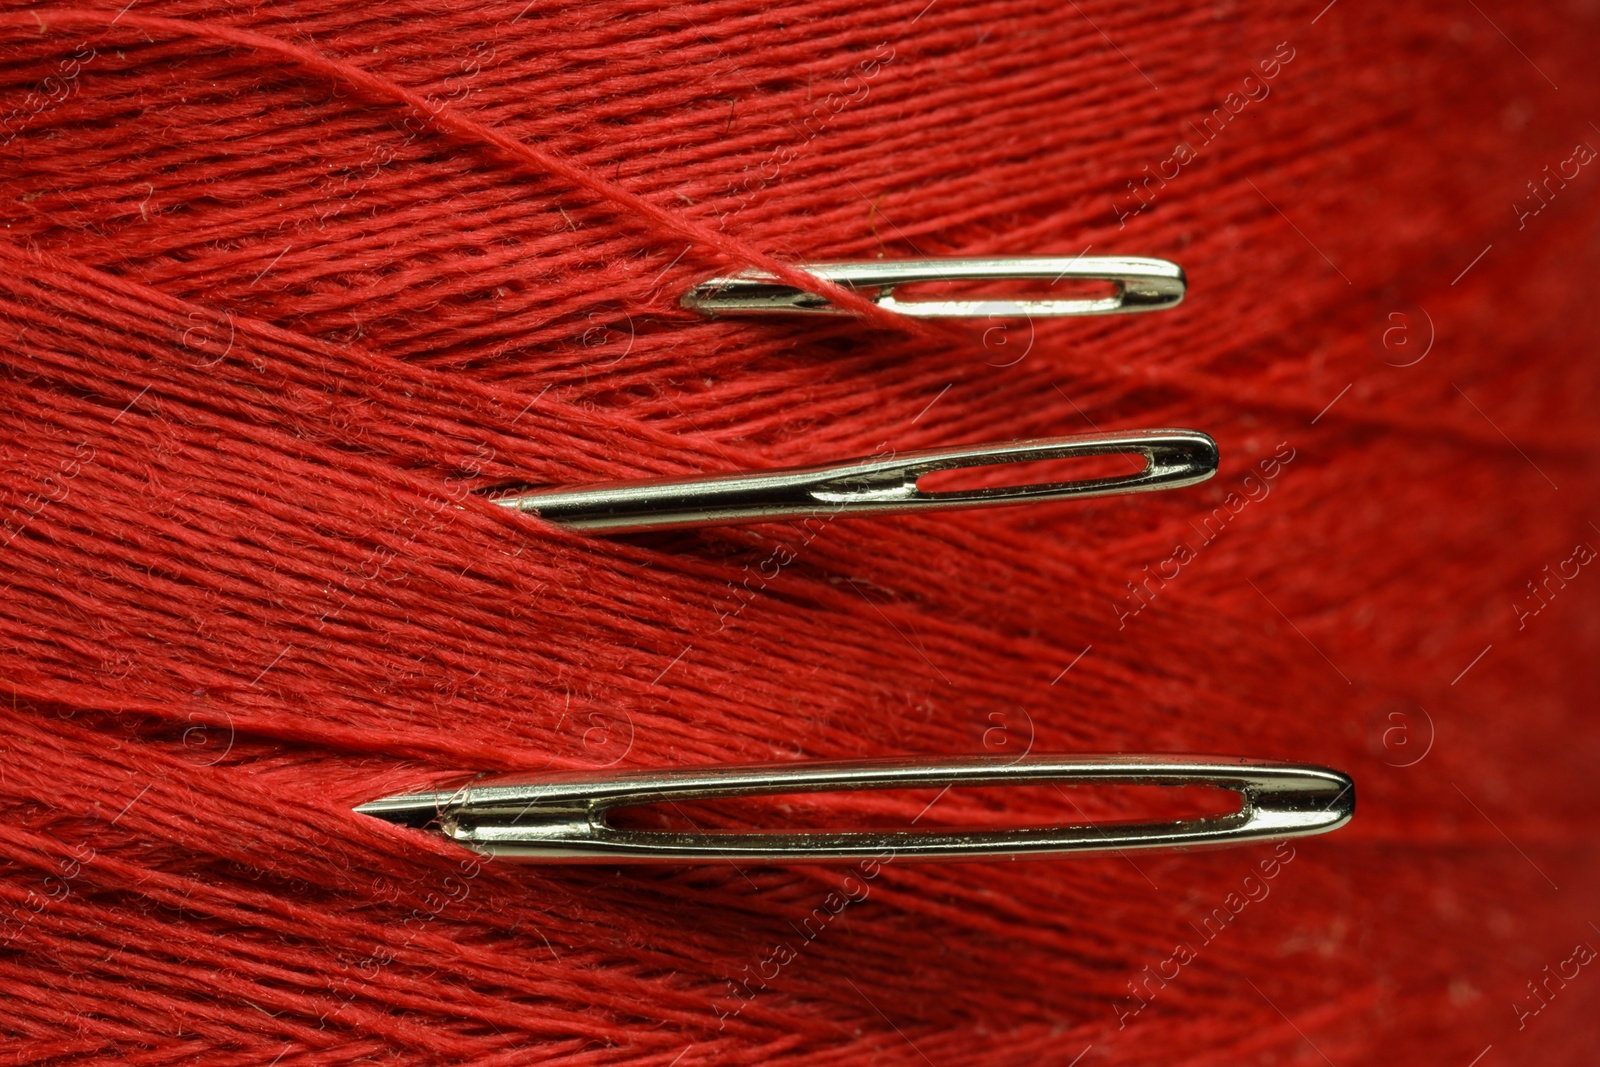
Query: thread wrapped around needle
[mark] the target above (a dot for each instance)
(1138, 284)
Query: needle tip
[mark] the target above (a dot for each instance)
(416, 810)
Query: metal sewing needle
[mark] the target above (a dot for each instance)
(562, 818)
(1136, 283)
(876, 485)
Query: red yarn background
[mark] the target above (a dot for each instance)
(283, 282)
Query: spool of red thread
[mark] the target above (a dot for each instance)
(282, 286)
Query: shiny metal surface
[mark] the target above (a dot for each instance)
(877, 485)
(562, 818)
(1139, 285)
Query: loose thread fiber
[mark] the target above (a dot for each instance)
(282, 287)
